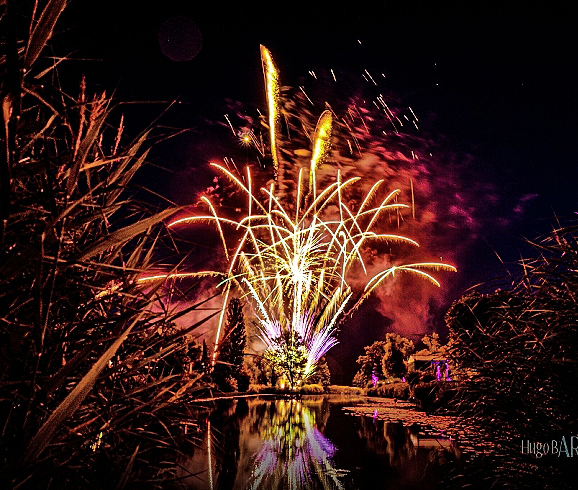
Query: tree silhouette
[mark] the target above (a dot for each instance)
(384, 358)
(232, 349)
(397, 351)
(370, 363)
(432, 343)
(322, 374)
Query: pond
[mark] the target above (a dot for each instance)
(315, 442)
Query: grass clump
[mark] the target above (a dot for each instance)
(346, 390)
(311, 389)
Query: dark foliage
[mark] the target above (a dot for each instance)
(93, 372)
(263, 372)
(384, 359)
(370, 364)
(517, 354)
(322, 375)
(397, 351)
(401, 391)
(229, 367)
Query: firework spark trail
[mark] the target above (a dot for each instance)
(293, 258)
(295, 267)
(322, 141)
(272, 89)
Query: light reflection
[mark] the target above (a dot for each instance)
(294, 454)
(312, 444)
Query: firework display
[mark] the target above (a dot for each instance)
(295, 256)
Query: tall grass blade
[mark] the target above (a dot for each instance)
(125, 476)
(73, 400)
(43, 30)
(120, 237)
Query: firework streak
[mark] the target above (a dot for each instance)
(293, 259)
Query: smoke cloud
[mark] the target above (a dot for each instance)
(449, 204)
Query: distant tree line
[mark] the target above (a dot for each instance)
(388, 359)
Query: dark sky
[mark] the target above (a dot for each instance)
(499, 80)
(496, 83)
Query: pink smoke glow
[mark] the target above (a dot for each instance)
(377, 137)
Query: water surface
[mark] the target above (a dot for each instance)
(312, 443)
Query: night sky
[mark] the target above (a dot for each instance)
(495, 85)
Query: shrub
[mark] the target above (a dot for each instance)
(413, 378)
(426, 393)
(259, 388)
(371, 391)
(345, 390)
(321, 375)
(394, 390)
(401, 391)
(244, 378)
(516, 350)
(311, 389)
